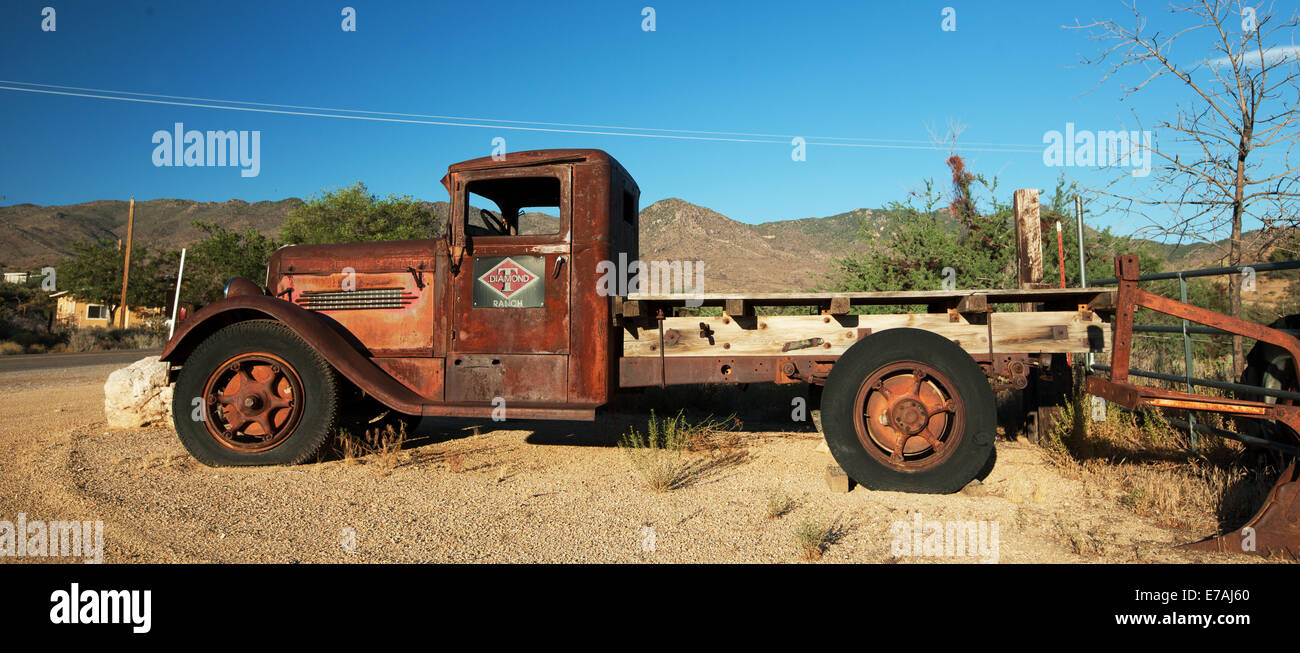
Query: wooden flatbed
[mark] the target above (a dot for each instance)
(1065, 320)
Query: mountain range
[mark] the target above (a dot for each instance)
(783, 255)
(772, 256)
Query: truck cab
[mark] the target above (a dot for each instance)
(501, 312)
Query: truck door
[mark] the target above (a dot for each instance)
(510, 293)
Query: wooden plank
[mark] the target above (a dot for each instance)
(839, 305)
(837, 480)
(737, 307)
(1103, 303)
(973, 304)
(1031, 333)
(768, 336)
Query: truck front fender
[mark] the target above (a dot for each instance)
(333, 343)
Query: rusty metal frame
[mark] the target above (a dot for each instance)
(1117, 388)
(1276, 526)
(646, 371)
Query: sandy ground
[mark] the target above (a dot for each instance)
(535, 492)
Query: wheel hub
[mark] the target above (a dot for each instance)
(253, 402)
(909, 416)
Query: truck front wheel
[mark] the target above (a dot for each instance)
(910, 411)
(254, 393)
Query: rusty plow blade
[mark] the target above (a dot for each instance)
(1275, 528)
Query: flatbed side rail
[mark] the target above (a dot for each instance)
(938, 301)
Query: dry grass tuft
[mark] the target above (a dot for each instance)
(779, 503)
(658, 455)
(382, 445)
(816, 534)
(1148, 466)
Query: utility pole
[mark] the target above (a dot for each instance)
(126, 262)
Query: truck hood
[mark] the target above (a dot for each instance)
(390, 256)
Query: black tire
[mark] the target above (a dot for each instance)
(296, 432)
(1271, 367)
(966, 433)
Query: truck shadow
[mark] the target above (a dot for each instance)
(758, 408)
(755, 408)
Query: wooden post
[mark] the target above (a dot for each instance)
(1029, 240)
(126, 261)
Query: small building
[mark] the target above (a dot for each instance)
(75, 313)
(16, 277)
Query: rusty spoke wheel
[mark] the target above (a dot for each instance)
(909, 410)
(907, 415)
(252, 402)
(254, 393)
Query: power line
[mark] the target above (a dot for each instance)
(460, 121)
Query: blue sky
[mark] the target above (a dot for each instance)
(880, 70)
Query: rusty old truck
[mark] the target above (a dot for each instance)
(510, 309)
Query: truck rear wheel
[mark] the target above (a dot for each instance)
(254, 393)
(910, 411)
(1271, 367)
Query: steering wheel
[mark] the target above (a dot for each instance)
(494, 222)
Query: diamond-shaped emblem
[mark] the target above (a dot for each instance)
(507, 278)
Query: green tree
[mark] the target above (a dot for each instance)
(926, 240)
(979, 246)
(94, 274)
(353, 214)
(223, 254)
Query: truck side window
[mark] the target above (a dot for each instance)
(517, 206)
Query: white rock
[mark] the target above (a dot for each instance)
(138, 395)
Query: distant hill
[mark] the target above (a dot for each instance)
(772, 256)
(32, 236)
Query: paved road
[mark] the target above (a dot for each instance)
(71, 359)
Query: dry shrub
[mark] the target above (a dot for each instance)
(779, 503)
(658, 455)
(816, 534)
(382, 445)
(1149, 467)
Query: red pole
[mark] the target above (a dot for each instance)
(1060, 253)
(1060, 265)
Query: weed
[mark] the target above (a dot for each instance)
(778, 503)
(814, 535)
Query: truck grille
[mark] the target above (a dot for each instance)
(354, 300)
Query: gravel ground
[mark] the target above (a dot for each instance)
(535, 492)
